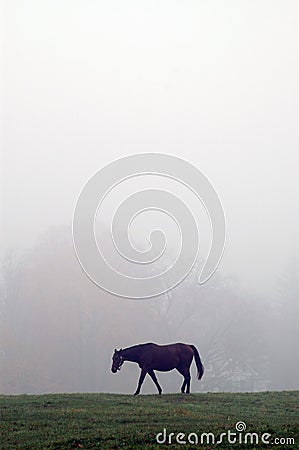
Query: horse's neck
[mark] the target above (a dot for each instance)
(131, 354)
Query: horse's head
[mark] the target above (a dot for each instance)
(117, 360)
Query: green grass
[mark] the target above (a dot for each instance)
(110, 421)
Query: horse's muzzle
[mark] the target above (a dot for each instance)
(113, 370)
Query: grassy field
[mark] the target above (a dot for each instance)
(109, 421)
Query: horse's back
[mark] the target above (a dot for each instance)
(178, 346)
(166, 357)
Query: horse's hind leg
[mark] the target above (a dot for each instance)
(187, 378)
(154, 378)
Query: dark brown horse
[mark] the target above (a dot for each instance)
(152, 357)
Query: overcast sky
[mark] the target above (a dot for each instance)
(214, 82)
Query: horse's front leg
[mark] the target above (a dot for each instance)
(154, 378)
(141, 379)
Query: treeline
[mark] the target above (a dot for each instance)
(59, 330)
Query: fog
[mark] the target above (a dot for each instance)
(85, 83)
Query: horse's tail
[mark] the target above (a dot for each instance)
(200, 368)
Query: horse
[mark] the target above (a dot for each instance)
(163, 358)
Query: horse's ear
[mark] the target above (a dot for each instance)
(115, 350)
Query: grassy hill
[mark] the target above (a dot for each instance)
(110, 421)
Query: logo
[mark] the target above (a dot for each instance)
(89, 249)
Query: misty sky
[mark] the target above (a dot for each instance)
(213, 82)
